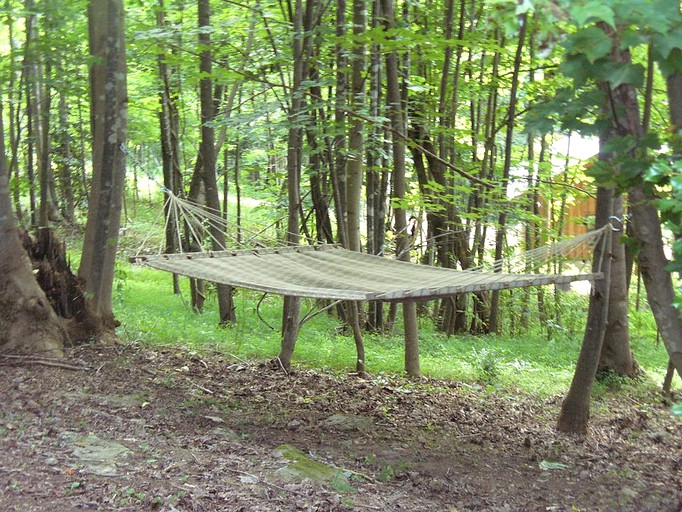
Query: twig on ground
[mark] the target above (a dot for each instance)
(55, 363)
(205, 390)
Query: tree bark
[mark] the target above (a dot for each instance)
(616, 355)
(292, 305)
(109, 120)
(647, 224)
(208, 154)
(28, 324)
(14, 112)
(170, 143)
(338, 174)
(354, 167)
(657, 280)
(500, 229)
(30, 78)
(48, 201)
(575, 409)
(398, 125)
(65, 177)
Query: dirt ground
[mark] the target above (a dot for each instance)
(143, 428)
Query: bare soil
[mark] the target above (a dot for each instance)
(143, 428)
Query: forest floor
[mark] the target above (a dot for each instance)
(145, 428)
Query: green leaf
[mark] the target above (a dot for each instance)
(631, 169)
(576, 67)
(591, 12)
(677, 409)
(592, 42)
(546, 465)
(537, 122)
(657, 16)
(619, 73)
(676, 184)
(671, 206)
(664, 44)
(671, 65)
(602, 172)
(666, 9)
(632, 38)
(620, 145)
(650, 140)
(658, 173)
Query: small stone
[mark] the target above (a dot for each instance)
(349, 422)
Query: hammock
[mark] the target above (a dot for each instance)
(331, 272)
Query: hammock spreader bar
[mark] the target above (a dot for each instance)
(331, 272)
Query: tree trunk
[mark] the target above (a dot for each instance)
(28, 324)
(48, 201)
(109, 121)
(14, 116)
(69, 208)
(338, 174)
(292, 305)
(30, 78)
(170, 144)
(647, 224)
(397, 116)
(208, 155)
(495, 324)
(575, 409)
(377, 171)
(616, 355)
(354, 174)
(657, 280)
(674, 89)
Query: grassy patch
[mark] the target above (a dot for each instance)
(531, 362)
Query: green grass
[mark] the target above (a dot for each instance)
(151, 313)
(533, 360)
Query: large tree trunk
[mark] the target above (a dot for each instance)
(208, 153)
(647, 226)
(292, 305)
(616, 355)
(28, 324)
(354, 174)
(674, 86)
(398, 125)
(657, 280)
(30, 79)
(338, 174)
(65, 157)
(575, 409)
(109, 119)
